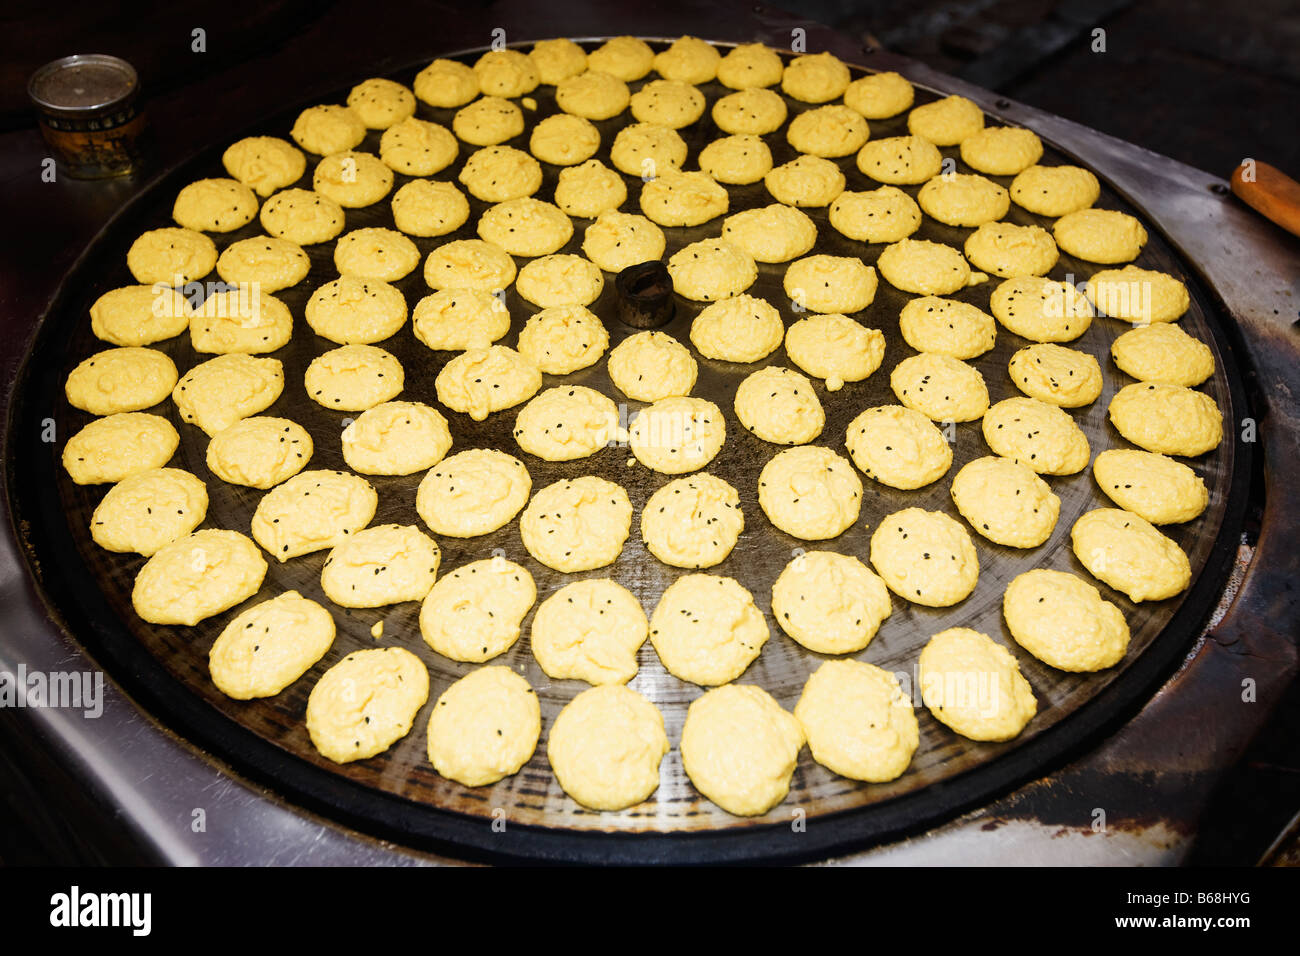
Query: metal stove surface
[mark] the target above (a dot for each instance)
(533, 798)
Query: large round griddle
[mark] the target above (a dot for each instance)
(397, 794)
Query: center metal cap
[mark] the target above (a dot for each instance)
(645, 295)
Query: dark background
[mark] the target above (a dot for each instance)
(1208, 82)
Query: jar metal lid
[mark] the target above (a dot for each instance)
(83, 85)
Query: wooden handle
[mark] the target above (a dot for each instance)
(1270, 192)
